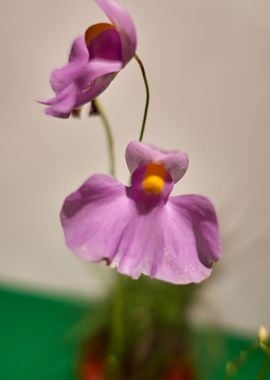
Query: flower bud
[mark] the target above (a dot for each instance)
(264, 339)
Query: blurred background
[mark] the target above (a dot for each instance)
(208, 67)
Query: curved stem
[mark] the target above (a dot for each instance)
(138, 60)
(109, 136)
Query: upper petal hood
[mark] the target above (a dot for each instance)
(123, 24)
(175, 161)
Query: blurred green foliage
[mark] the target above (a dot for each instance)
(40, 336)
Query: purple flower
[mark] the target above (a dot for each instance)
(94, 61)
(140, 229)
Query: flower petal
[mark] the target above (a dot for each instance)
(79, 55)
(98, 87)
(62, 103)
(90, 90)
(199, 214)
(53, 112)
(94, 218)
(124, 25)
(176, 243)
(101, 222)
(94, 69)
(83, 89)
(61, 78)
(137, 154)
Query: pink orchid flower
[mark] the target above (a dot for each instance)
(94, 61)
(139, 229)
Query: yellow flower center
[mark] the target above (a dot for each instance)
(154, 179)
(153, 184)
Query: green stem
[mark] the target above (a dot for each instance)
(264, 368)
(118, 318)
(116, 345)
(109, 136)
(138, 60)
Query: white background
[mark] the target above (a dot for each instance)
(208, 65)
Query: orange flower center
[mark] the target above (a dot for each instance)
(154, 178)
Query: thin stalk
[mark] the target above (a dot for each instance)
(138, 60)
(109, 136)
(116, 345)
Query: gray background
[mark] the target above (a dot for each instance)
(208, 66)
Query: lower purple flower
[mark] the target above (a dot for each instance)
(140, 229)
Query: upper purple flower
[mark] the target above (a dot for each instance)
(94, 61)
(140, 229)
